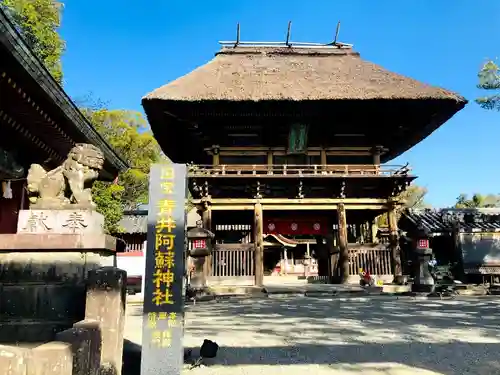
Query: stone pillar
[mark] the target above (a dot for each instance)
(106, 304)
(93, 331)
(197, 280)
(14, 360)
(397, 270)
(202, 265)
(84, 341)
(259, 244)
(343, 248)
(423, 279)
(54, 358)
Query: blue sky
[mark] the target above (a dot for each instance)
(120, 50)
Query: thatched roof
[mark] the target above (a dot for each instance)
(283, 73)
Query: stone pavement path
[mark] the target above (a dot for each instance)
(299, 335)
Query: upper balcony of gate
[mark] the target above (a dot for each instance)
(298, 171)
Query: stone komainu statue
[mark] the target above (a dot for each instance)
(69, 185)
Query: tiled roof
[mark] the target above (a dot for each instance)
(134, 223)
(470, 219)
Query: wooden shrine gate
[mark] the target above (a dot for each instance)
(232, 264)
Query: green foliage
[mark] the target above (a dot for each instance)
(38, 21)
(478, 201)
(108, 200)
(489, 79)
(128, 133)
(413, 197)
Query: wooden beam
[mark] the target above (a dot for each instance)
(291, 207)
(344, 251)
(365, 207)
(318, 201)
(230, 207)
(265, 149)
(24, 132)
(258, 239)
(283, 153)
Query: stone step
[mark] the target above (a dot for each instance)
(236, 290)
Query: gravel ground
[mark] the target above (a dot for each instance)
(367, 336)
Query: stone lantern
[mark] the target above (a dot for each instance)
(200, 242)
(423, 281)
(199, 246)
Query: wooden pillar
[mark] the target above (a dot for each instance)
(344, 251)
(206, 219)
(322, 256)
(270, 161)
(307, 263)
(323, 158)
(215, 155)
(377, 152)
(394, 245)
(333, 257)
(285, 259)
(374, 228)
(259, 244)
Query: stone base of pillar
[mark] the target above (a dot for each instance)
(422, 288)
(398, 280)
(198, 278)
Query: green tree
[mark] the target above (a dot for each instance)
(477, 201)
(413, 197)
(489, 79)
(128, 133)
(38, 21)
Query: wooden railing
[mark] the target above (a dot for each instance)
(377, 260)
(264, 170)
(231, 260)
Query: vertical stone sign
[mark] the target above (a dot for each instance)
(163, 313)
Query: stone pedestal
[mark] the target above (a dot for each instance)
(60, 222)
(106, 295)
(423, 280)
(44, 270)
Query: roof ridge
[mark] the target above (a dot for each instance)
(284, 50)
